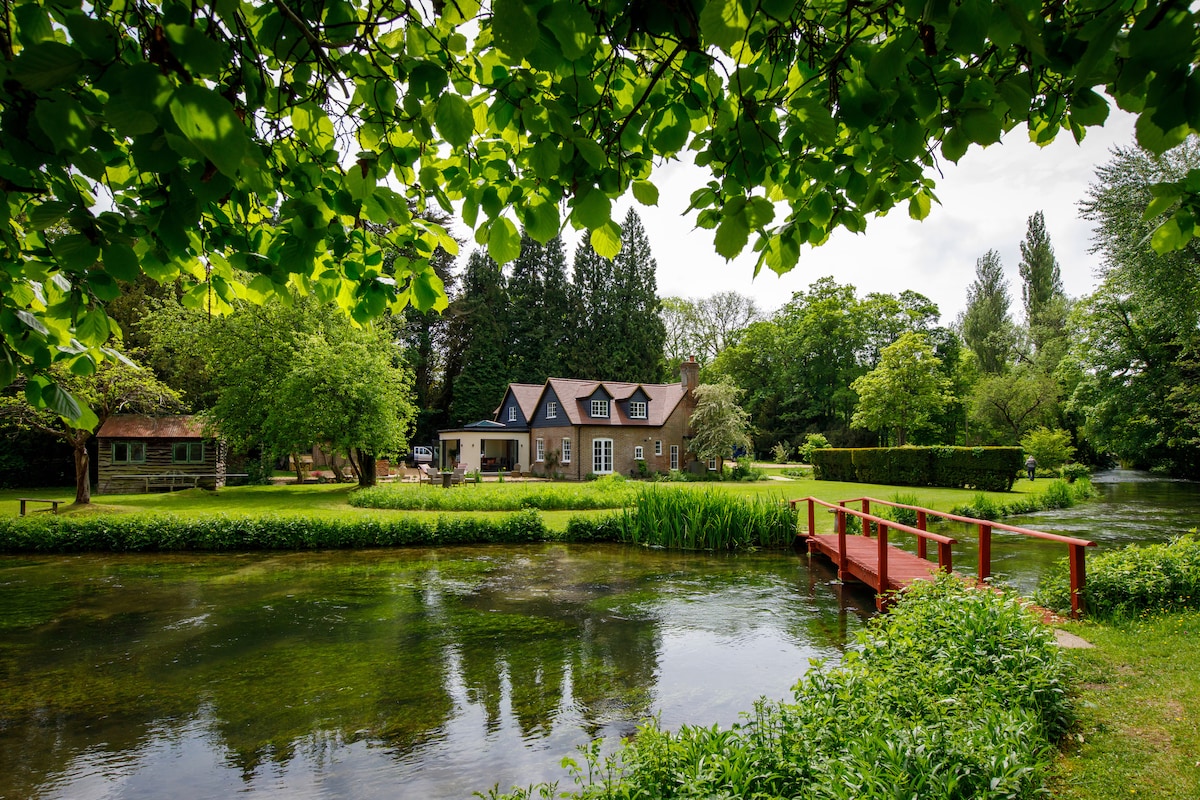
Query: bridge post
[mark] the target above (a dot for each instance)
(843, 561)
(1078, 579)
(985, 552)
(866, 509)
(882, 548)
(812, 518)
(921, 551)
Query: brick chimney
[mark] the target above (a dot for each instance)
(689, 374)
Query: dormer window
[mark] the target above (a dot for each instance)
(512, 413)
(551, 410)
(637, 409)
(600, 408)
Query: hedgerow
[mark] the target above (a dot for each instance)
(607, 492)
(957, 693)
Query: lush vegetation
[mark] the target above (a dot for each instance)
(956, 693)
(707, 520)
(988, 468)
(607, 492)
(1136, 579)
(1058, 494)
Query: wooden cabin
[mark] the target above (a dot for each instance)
(138, 454)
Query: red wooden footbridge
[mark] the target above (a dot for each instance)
(886, 568)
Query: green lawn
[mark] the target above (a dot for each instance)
(1139, 712)
(330, 499)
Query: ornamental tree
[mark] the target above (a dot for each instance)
(905, 391)
(247, 149)
(719, 425)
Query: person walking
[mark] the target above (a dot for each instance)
(1030, 466)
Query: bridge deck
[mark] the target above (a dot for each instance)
(862, 561)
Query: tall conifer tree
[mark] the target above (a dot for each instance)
(986, 327)
(641, 334)
(479, 331)
(1042, 289)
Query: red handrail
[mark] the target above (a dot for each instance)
(1078, 561)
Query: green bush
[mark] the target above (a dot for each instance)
(1073, 472)
(157, 533)
(611, 491)
(812, 443)
(1132, 580)
(956, 693)
(1058, 494)
(988, 469)
(1050, 448)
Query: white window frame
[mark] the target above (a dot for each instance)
(658, 447)
(551, 410)
(602, 456)
(600, 409)
(674, 456)
(512, 413)
(540, 452)
(638, 409)
(566, 452)
(712, 464)
(639, 454)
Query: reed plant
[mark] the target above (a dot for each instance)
(707, 520)
(1058, 494)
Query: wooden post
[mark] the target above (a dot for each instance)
(1078, 579)
(985, 552)
(866, 509)
(843, 562)
(921, 551)
(882, 548)
(944, 557)
(812, 517)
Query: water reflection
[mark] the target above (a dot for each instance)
(376, 674)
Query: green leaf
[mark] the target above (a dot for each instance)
(48, 213)
(1161, 205)
(724, 23)
(59, 400)
(981, 126)
(732, 235)
(645, 193)
(199, 54)
(670, 129)
(121, 262)
(592, 209)
(210, 123)
(606, 240)
(541, 220)
(1168, 237)
(454, 120)
(65, 122)
(954, 145)
(504, 241)
(919, 206)
(1154, 138)
(428, 291)
(573, 27)
(969, 26)
(312, 126)
(1088, 108)
(514, 28)
(544, 158)
(75, 252)
(46, 65)
(93, 328)
(8, 367)
(33, 24)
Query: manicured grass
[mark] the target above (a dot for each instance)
(1138, 708)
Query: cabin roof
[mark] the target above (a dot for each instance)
(137, 426)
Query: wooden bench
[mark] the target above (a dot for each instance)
(53, 503)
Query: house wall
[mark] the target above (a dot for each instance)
(540, 420)
(625, 438)
(120, 478)
(517, 420)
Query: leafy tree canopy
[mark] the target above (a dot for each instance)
(719, 425)
(252, 148)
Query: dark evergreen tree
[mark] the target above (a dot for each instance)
(537, 293)
(637, 352)
(1045, 304)
(591, 318)
(556, 303)
(478, 336)
(986, 326)
(425, 335)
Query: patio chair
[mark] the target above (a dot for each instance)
(459, 475)
(425, 474)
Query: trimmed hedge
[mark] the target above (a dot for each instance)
(991, 469)
(158, 533)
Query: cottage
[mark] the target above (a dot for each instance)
(141, 454)
(574, 428)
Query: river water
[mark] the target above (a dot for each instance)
(421, 672)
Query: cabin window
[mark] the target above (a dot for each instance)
(129, 453)
(187, 452)
(566, 451)
(600, 408)
(551, 410)
(541, 450)
(637, 410)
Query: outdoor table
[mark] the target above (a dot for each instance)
(446, 476)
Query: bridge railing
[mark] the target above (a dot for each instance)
(883, 525)
(1077, 553)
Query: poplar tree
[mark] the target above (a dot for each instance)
(986, 326)
(1041, 289)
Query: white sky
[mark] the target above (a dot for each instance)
(986, 200)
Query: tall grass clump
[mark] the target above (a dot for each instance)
(1133, 580)
(956, 693)
(1058, 494)
(602, 493)
(707, 520)
(905, 516)
(161, 533)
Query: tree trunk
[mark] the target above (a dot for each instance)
(366, 469)
(299, 467)
(83, 481)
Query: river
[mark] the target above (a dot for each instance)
(428, 673)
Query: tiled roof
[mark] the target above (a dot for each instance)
(135, 426)
(572, 394)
